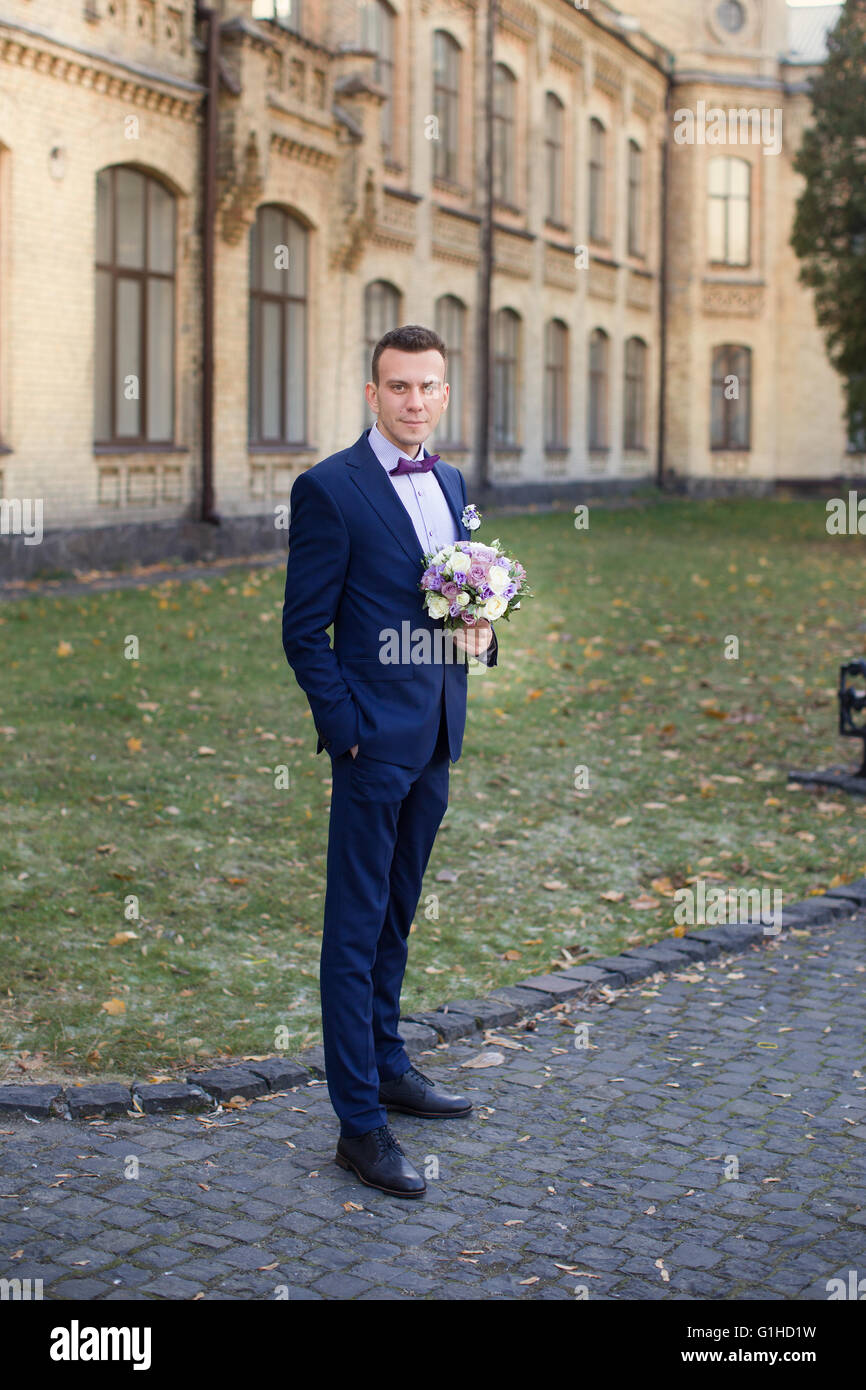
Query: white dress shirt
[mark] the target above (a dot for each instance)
(420, 494)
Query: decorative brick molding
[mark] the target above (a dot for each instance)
(747, 300)
(112, 77)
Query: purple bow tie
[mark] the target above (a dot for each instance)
(414, 465)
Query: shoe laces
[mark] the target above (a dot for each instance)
(419, 1076)
(386, 1141)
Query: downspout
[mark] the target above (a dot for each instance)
(663, 293)
(485, 262)
(209, 16)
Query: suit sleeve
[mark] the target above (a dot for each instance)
(490, 657)
(315, 577)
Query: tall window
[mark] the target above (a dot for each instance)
(599, 345)
(451, 327)
(506, 343)
(555, 379)
(381, 314)
(278, 328)
(856, 443)
(731, 400)
(728, 210)
(634, 436)
(446, 105)
(553, 110)
(378, 35)
(635, 199)
(504, 100)
(135, 298)
(597, 174)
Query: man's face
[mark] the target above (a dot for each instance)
(411, 395)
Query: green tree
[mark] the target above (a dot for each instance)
(829, 233)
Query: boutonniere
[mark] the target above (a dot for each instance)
(471, 517)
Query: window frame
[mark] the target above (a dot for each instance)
(724, 354)
(556, 384)
(446, 105)
(554, 160)
(597, 203)
(504, 135)
(258, 296)
(142, 276)
(598, 418)
(506, 376)
(634, 423)
(726, 198)
(450, 316)
(378, 35)
(634, 214)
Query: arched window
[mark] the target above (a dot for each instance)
(381, 314)
(451, 327)
(553, 124)
(504, 102)
(597, 178)
(377, 34)
(728, 200)
(135, 309)
(599, 345)
(555, 384)
(634, 433)
(446, 106)
(731, 398)
(278, 328)
(506, 347)
(635, 199)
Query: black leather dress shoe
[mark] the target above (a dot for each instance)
(377, 1159)
(413, 1093)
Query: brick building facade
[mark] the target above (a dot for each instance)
(633, 275)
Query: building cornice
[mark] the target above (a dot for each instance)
(26, 46)
(290, 147)
(726, 79)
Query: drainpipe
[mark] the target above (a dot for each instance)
(209, 16)
(663, 292)
(485, 262)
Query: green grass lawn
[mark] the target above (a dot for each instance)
(149, 785)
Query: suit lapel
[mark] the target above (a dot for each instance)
(370, 478)
(451, 491)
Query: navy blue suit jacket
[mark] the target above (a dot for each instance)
(355, 561)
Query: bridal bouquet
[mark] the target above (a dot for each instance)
(468, 581)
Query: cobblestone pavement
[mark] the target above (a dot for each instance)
(706, 1143)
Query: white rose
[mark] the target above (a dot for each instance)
(494, 608)
(498, 578)
(437, 606)
(460, 562)
(463, 598)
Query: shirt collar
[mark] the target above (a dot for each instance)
(386, 452)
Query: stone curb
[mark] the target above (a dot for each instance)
(460, 1018)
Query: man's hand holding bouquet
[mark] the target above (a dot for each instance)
(470, 585)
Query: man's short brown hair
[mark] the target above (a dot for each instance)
(412, 337)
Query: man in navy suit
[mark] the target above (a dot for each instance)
(389, 704)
